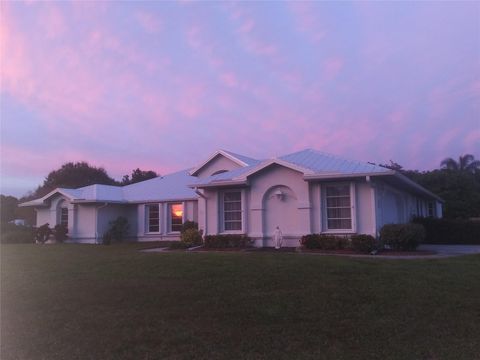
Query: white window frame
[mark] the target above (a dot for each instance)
(353, 207)
(169, 216)
(147, 219)
(63, 209)
(221, 215)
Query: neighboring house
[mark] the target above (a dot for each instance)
(303, 192)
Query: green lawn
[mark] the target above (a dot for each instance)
(113, 302)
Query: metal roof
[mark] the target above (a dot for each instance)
(320, 163)
(313, 162)
(178, 186)
(247, 160)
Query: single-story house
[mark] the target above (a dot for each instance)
(303, 192)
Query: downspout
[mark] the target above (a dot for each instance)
(205, 210)
(96, 220)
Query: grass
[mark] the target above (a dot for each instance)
(113, 302)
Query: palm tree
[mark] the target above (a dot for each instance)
(466, 162)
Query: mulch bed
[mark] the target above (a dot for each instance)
(380, 253)
(221, 249)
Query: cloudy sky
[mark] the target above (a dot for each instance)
(160, 85)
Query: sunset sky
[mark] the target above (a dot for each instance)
(161, 85)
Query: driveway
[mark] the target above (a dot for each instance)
(451, 250)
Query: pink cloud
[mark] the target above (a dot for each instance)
(191, 103)
(148, 22)
(248, 32)
(307, 20)
(229, 79)
(332, 67)
(198, 40)
(54, 22)
(446, 139)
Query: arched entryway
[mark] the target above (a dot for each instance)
(280, 208)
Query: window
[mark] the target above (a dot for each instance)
(176, 217)
(64, 217)
(338, 206)
(232, 211)
(153, 218)
(219, 172)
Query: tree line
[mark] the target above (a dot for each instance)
(70, 175)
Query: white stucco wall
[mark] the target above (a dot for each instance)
(262, 211)
(110, 212)
(218, 163)
(42, 216)
(85, 224)
(291, 212)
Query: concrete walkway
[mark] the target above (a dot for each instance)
(451, 250)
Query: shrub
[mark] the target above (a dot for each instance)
(42, 233)
(450, 231)
(117, 232)
(188, 225)
(191, 237)
(17, 234)
(324, 241)
(402, 237)
(60, 232)
(363, 243)
(227, 241)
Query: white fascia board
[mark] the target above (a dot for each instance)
(41, 201)
(218, 152)
(219, 184)
(154, 201)
(267, 163)
(93, 201)
(32, 203)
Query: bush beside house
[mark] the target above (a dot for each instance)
(118, 231)
(402, 237)
(324, 242)
(16, 234)
(227, 241)
(363, 243)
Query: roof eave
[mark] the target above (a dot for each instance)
(218, 152)
(219, 184)
(310, 177)
(417, 186)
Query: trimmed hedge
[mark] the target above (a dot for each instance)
(450, 231)
(403, 237)
(324, 241)
(226, 241)
(363, 243)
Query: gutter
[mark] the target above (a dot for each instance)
(205, 217)
(342, 175)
